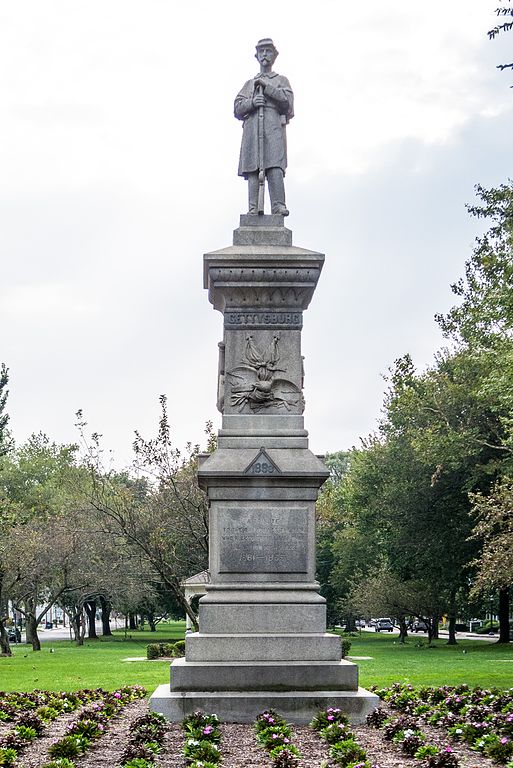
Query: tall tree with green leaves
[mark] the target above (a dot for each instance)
(5, 442)
(481, 326)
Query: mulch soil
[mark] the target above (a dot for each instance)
(238, 745)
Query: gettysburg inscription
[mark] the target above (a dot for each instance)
(270, 540)
(251, 319)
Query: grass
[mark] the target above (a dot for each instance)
(476, 662)
(62, 665)
(101, 663)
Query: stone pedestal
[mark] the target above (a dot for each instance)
(262, 640)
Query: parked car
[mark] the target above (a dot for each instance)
(14, 635)
(419, 626)
(383, 625)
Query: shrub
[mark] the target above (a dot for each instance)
(139, 762)
(179, 648)
(445, 759)
(335, 732)
(426, 751)
(346, 752)
(61, 762)
(68, 746)
(268, 718)
(152, 651)
(346, 645)
(328, 716)
(7, 756)
(499, 749)
(199, 719)
(274, 735)
(25, 732)
(202, 750)
(402, 723)
(285, 756)
(377, 717)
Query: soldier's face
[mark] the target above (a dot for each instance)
(265, 55)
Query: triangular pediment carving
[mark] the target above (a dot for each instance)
(262, 465)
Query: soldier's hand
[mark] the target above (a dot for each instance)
(258, 100)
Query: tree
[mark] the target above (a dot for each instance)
(5, 443)
(502, 12)
(482, 326)
(41, 542)
(156, 508)
(494, 513)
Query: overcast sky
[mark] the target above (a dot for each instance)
(119, 155)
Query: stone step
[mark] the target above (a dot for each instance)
(244, 706)
(263, 676)
(262, 647)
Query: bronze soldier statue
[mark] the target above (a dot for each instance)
(265, 104)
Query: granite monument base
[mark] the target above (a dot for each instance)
(244, 706)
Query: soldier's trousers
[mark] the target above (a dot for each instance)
(276, 187)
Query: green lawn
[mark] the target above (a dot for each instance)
(103, 662)
(476, 662)
(98, 663)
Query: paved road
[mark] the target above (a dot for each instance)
(63, 633)
(444, 634)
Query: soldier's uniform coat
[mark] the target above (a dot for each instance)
(279, 109)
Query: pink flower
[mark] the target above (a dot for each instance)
(286, 741)
(330, 717)
(504, 740)
(207, 730)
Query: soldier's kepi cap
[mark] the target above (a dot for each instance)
(266, 42)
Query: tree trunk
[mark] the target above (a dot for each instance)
(105, 607)
(31, 628)
(5, 648)
(452, 631)
(436, 621)
(452, 621)
(90, 609)
(151, 621)
(28, 631)
(403, 630)
(79, 626)
(177, 591)
(503, 616)
(430, 629)
(132, 620)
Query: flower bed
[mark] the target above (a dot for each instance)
(482, 719)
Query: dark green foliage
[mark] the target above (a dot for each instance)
(69, 746)
(4, 418)
(345, 752)
(139, 762)
(179, 648)
(330, 716)
(376, 718)
(7, 756)
(447, 758)
(286, 756)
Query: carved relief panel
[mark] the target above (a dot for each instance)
(263, 372)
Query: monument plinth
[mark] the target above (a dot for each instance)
(262, 639)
